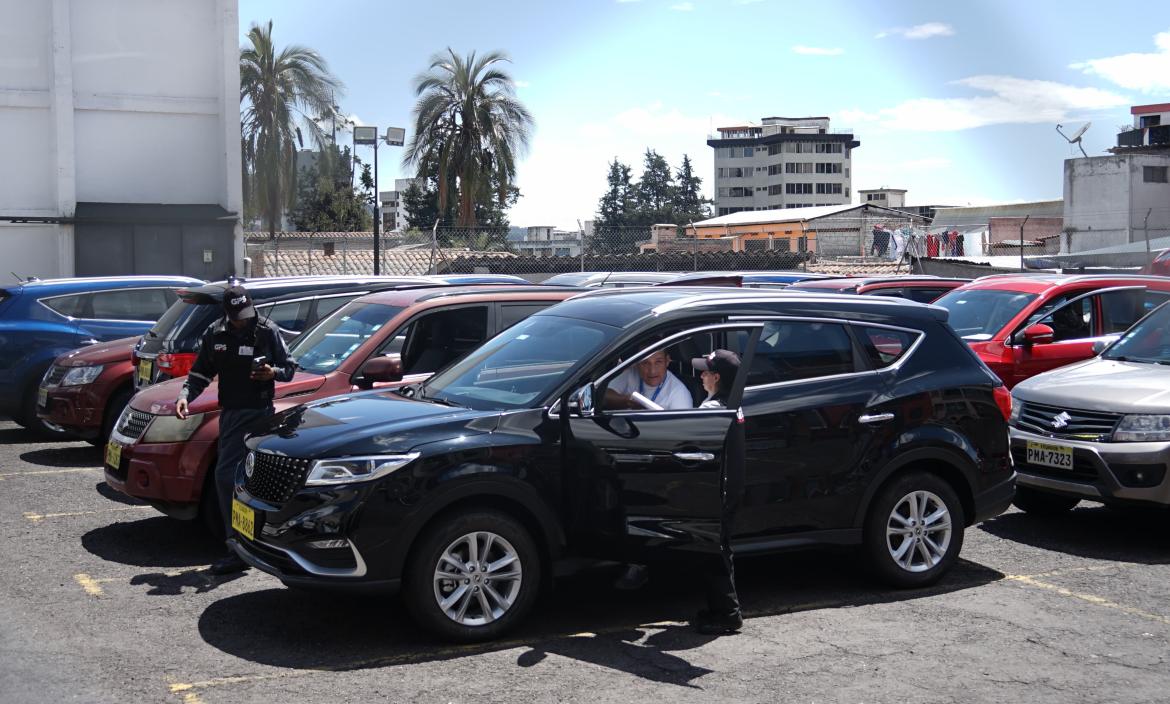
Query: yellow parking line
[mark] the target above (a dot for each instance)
(92, 586)
(1091, 598)
(50, 471)
(38, 517)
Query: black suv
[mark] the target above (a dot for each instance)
(868, 422)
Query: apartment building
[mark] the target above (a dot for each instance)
(394, 215)
(784, 162)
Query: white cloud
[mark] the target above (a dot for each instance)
(817, 51)
(522, 84)
(919, 31)
(683, 7)
(1149, 73)
(1012, 101)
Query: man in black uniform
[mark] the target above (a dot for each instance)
(249, 356)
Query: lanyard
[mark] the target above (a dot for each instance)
(657, 391)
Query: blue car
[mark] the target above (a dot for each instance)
(40, 320)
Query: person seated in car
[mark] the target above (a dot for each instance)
(1068, 324)
(718, 371)
(651, 378)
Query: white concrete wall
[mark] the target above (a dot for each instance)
(116, 101)
(1106, 200)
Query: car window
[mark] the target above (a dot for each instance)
(1073, 321)
(1148, 341)
(289, 316)
(1121, 309)
(439, 338)
(329, 343)
(790, 350)
(978, 314)
(883, 346)
(72, 306)
(512, 313)
(924, 295)
(890, 292)
(148, 304)
(325, 306)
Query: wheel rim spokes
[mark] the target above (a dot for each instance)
(918, 531)
(477, 578)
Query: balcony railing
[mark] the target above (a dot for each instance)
(1157, 136)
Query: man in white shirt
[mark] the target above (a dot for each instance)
(652, 379)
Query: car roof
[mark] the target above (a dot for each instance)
(404, 298)
(1039, 283)
(623, 308)
(787, 276)
(597, 278)
(923, 280)
(267, 289)
(99, 283)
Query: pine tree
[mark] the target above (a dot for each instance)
(689, 203)
(655, 191)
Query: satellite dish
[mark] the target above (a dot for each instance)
(1076, 136)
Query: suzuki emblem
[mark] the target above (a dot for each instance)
(1061, 420)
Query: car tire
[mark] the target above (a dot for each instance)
(902, 549)
(436, 602)
(1043, 503)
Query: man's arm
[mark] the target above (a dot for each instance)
(283, 364)
(202, 371)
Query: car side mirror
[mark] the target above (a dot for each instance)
(1038, 334)
(1099, 346)
(380, 370)
(581, 401)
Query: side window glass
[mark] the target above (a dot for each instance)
(512, 313)
(889, 292)
(440, 338)
(137, 304)
(289, 316)
(1071, 322)
(792, 350)
(883, 346)
(924, 295)
(72, 306)
(325, 306)
(668, 378)
(1121, 309)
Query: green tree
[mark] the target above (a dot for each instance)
(326, 198)
(615, 211)
(279, 92)
(469, 128)
(689, 203)
(655, 191)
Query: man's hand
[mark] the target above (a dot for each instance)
(264, 373)
(181, 408)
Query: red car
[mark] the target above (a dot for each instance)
(1024, 324)
(923, 289)
(385, 339)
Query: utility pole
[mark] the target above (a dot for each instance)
(581, 230)
(1146, 232)
(1025, 222)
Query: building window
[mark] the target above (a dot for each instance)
(795, 167)
(773, 149)
(774, 190)
(1154, 174)
(798, 147)
(749, 151)
(829, 148)
(1150, 121)
(828, 168)
(829, 188)
(798, 188)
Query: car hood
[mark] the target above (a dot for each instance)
(367, 423)
(104, 353)
(1102, 385)
(160, 398)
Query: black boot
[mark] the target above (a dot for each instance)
(717, 624)
(230, 564)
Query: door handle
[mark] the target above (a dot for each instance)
(694, 456)
(876, 418)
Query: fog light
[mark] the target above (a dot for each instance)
(143, 478)
(329, 544)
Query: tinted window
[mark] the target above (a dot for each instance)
(72, 306)
(978, 314)
(791, 350)
(889, 292)
(512, 313)
(330, 343)
(1121, 309)
(924, 295)
(1072, 321)
(135, 304)
(883, 346)
(437, 339)
(289, 316)
(1149, 341)
(325, 306)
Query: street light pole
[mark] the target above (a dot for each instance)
(395, 136)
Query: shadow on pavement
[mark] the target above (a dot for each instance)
(154, 542)
(15, 434)
(1094, 531)
(74, 456)
(582, 618)
(174, 584)
(108, 492)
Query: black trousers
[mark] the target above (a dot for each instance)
(233, 426)
(719, 569)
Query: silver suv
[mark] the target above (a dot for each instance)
(1099, 429)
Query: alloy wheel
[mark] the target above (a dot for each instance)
(477, 578)
(918, 531)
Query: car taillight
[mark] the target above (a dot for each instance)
(1003, 399)
(176, 364)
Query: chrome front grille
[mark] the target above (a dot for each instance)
(133, 423)
(55, 375)
(275, 477)
(1074, 424)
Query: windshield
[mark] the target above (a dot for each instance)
(978, 314)
(169, 319)
(1148, 341)
(521, 365)
(331, 341)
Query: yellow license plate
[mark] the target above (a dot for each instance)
(113, 454)
(243, 520)
(144, 368)
(42, 397)
(1047, 455)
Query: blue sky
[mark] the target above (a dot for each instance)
(956, 102)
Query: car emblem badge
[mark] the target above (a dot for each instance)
(1061, 420)
(249, 465)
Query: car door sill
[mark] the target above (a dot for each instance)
(844, 536)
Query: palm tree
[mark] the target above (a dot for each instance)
(469, 127)
(278, 91)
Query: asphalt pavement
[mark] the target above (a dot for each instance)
(103, 599)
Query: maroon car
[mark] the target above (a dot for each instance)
(923, 289)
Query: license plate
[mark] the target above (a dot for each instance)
(42, 397)
(113, 454)
(144, 369)
(1046, 455)
(243, 520)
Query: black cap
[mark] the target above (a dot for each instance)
(725, 363)
(237, 304)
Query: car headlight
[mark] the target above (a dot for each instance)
(172, 428)
(78, 376)
(345, 470)
(1144, 428)
(1017, 406)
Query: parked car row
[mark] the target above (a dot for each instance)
(460, 443)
